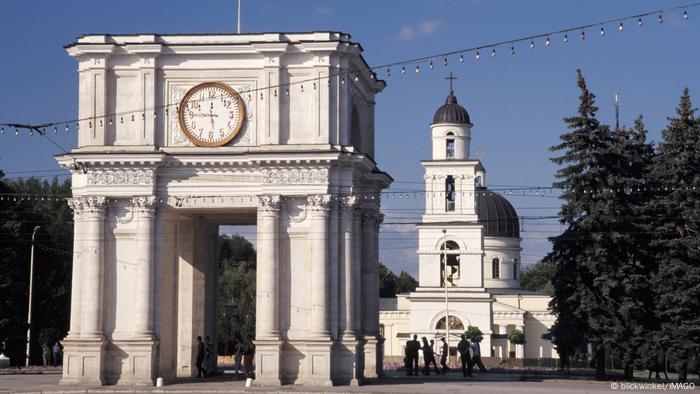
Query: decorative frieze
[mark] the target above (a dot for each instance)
(305, 176)
(120, 177)
(319, 202)
(144, 203)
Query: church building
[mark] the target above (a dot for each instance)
(469, 258)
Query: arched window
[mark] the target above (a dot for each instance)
(515, 268)
(496, 268)
(452, 271)
(450, 146)
(449, 193)
(455, 324)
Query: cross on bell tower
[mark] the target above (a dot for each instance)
(451, 78)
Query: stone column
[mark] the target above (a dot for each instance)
(319, 208)
(267, 268)
(349, 259)
(144, 211)
(503, 330)
(93, 270)
(76, 279)
(520, 349)
(334, 285)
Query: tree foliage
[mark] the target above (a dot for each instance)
(236, 291)
(538, 276)
(390, 285)
(52, 263)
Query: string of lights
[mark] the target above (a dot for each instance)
(561, 35)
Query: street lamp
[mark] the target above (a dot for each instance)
(31, 290)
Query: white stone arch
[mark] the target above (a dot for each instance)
(438, 243)
(357, 125)
(440, 315)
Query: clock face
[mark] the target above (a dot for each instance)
(211, 114)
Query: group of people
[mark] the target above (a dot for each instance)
(244, 351)
(52, 355)
(470, 355)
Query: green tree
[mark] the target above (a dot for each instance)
(676, 244)
(474, 332)
(27, 203)
(585, 254)
(387, 282)
(405, 283)
(538, 276)
(235, 292)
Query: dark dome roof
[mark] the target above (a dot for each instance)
(496, 214)
(451, 112)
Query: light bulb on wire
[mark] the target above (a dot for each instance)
(661, 18)
(477, 56)
(621, 27)
(602, 31)
(417, 69)
(685, 14)
(493, 52)
(640, 23)
(512, 50)
(566, 38)
(583, 35)
(431, 65)
(461, 58)
(532, 44)
(403, 70)
(547, 42)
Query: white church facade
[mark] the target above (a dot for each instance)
(179, 134)
(468, 253)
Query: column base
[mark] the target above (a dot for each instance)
(131, 362)
(83, 362)
(316, 369)
(371, 355)
(347, 361)
(267, 362)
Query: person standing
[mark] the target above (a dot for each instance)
(445, 355)
(209, 357)
(463, 348)
(239, 356)
(200, 358)
(46, 354)
(412, 348)
(57, 349)
(248, 354)
(476, 356)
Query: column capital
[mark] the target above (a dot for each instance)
(269, 202)
(88, 204)
(320, 202)
(348, 202)
(144, 204)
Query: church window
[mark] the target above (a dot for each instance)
(452, 256)
(449, 193)
(450, 146)
(515, 268)
(496, 268)
(455, 324)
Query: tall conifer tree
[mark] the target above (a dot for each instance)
(676, 245)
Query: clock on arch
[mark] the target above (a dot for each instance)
(211, 114)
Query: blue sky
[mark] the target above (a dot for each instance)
(516, 102)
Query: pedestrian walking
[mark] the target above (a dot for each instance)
(209, 357)
(445, 356)
(201, 372)
(248, 354)
(476, 356)
(239, 356)
(465, 358)
(428, 357)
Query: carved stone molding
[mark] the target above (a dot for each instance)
(120, 177)
(307, 176)
(269, 203)
(348, 202)
(144, 204)
(88, 204)
(319, 202)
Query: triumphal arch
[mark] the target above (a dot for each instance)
(179, 134)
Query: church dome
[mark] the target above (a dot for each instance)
(451, 112)
(496, 214)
